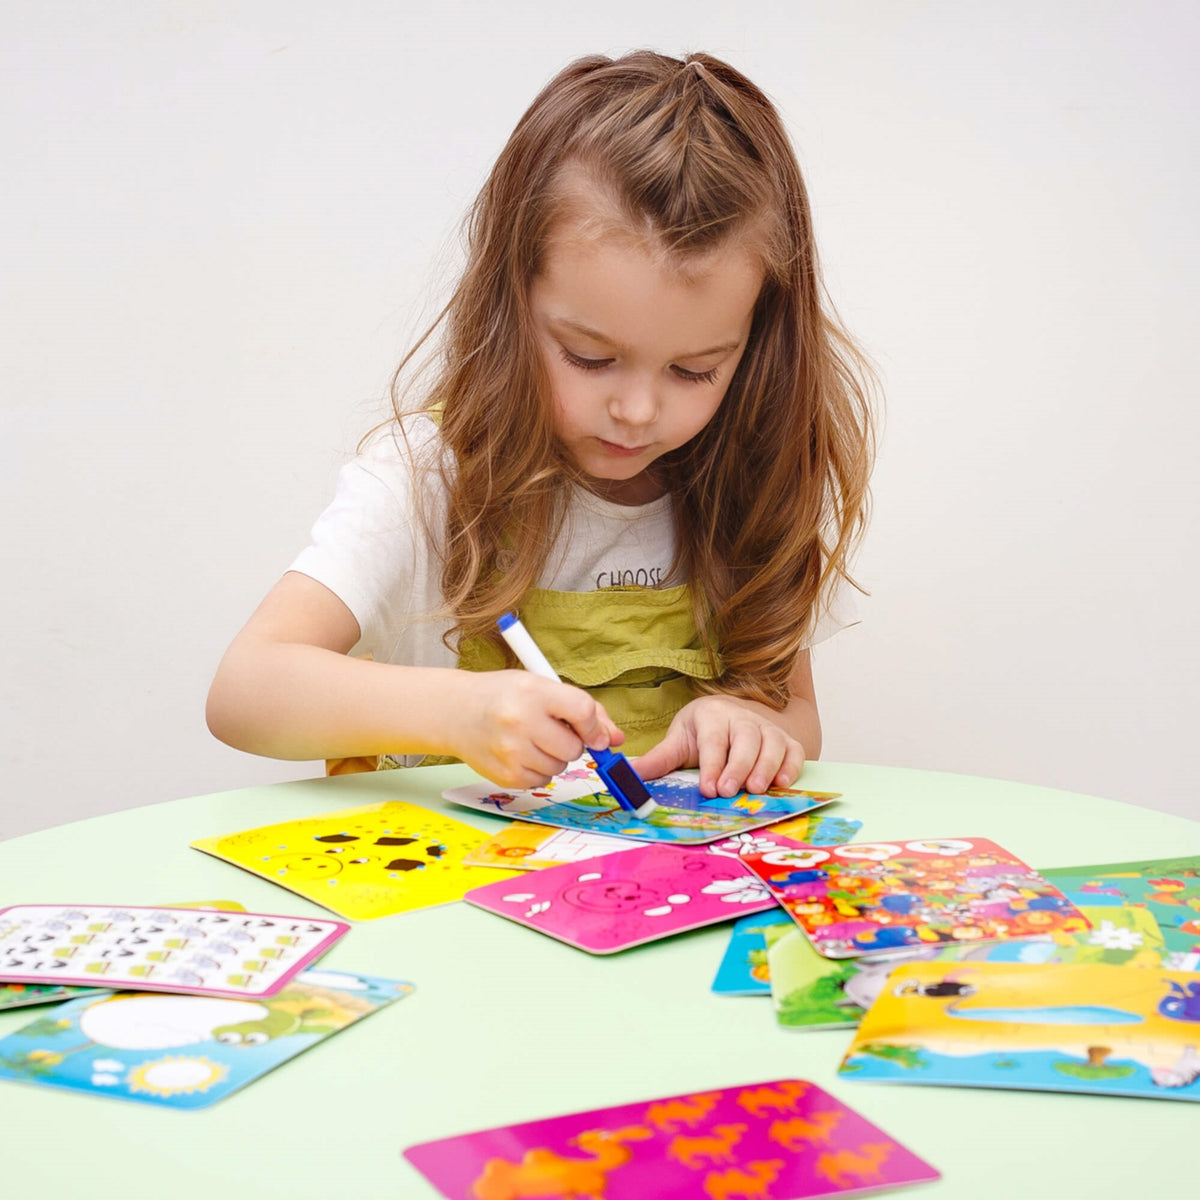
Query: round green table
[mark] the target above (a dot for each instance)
(507, 1025)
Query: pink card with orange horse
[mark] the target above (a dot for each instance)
(766, 1140)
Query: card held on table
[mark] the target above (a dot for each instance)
(782, 1138)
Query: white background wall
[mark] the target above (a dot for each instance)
(221, 222)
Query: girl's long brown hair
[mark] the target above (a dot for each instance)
(771, 496)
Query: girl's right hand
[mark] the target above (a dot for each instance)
(519, 729)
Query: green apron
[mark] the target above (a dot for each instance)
(635, 649)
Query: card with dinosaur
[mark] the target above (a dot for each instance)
(874, 897)
(208, 953)
(782, 1138)
(186, 1051)
(743, 969)
(1054, 1027)
(621, 900)
(576, 799)
(361, 863)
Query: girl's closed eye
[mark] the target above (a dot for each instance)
(709, 376)
(584, 364)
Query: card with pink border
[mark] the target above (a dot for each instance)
(159, 949)
(621, 900)
(784, 1138)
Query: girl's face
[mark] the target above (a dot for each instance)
(639, 349)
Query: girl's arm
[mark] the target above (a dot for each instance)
(288, 689)
(740, 744)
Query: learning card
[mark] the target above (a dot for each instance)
(159, 949)
(783, 1138)
(526, 847)
(620, 900)
(1168, 888)
(1056, 1027)
(21, 995)
(818, 828)
(576, 799)
(873, 897)
(743, 970)
(361, 863)
(813, 992)
(186, 1051)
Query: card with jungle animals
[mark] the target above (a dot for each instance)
(1056, 1027)
(743, 969)
(525, 847)
(208, 953)
(576, 799)
(1168, 888)
(782, 1138)
(810, 991)
(621, 900)
(361, 863)
(186, 1051)
(874, 897)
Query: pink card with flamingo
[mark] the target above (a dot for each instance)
(616, 901)
(765, 1141)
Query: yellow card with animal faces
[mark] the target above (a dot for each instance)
(362, 863)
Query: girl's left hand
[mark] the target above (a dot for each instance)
(735, 744)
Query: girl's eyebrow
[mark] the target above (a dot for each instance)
(604, 339)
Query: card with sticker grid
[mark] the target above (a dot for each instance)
(186, 1052)
(621, 900)
(873, 897)
(26, 995)
(781, 1138)
(576, 799)
(361, 863)
(159, 949)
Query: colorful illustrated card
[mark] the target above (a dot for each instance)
(1168, 888)
(22, 995)
(1059, 1027)
(785, 1138)
(818, 828)
(744, 970)
(576, 799)
(813, 992)
(525, 847)
(186, 1051)
(621, 900)
(159, 949)
(361, 863)
(875, 897)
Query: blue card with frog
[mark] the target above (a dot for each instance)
(576, 799)
(180, 1051)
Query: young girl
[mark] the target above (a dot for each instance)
(645, 431)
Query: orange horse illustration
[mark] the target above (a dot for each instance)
(781, 1098)
(748, 1184)
(793, 1135)
(687, 1111)
(716, 1147)
(546, 1173)
(846, 1166)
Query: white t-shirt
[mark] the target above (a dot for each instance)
(370, 549)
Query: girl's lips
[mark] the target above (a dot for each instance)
(621, 451)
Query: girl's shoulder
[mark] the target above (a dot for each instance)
(400, 450)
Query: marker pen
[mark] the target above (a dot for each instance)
(611, 765)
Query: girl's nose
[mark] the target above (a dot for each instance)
(633, 402)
